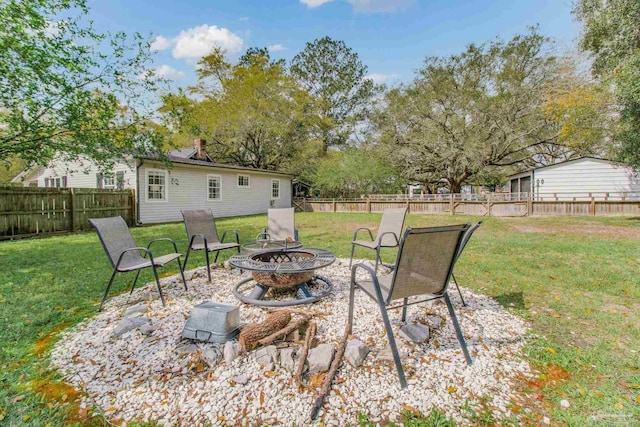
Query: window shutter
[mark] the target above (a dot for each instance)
(46, 182)
(98, 180)
(120, 180)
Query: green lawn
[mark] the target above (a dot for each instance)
(575, 279)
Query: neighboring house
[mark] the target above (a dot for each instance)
(580, 178)
(193, 181)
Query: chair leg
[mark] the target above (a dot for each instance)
(182, 274)
(352, 295)
(155, 273)
(455, 282)
(186, 258)
(206, 254)
(456, 326)
(215, 260)
(106, 292)
(134, 282)
(394, 348)
(353, 248)
(377, 258)
(404, 310)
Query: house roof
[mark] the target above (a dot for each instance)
(524, 172)
(185, 156)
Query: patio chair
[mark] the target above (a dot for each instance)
(423, 267)
(465, 240)
(124, 254)
(280, 225)
(202, 234)
(388, 236)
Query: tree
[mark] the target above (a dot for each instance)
(253, 113)
(468, 112)
(68, 90)
(332, 73)
(353, 172)
(611, 34)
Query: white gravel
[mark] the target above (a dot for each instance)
(138, 377)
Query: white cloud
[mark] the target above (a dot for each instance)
(366, 6)
(276, 48)
(161, 43)
(243, 19)
(165, 71)
(379, 78)
(197, 42)
(314, 3)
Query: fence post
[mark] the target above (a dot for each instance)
(72, 202)
(530, 204)
(368, 204)
(334, 205)
(452, 207)
(132, 200)
(408, 206)
(592, 208)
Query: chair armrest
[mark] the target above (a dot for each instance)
(355, 235)
(230, 231)
(164, 239)
(263, 235)
(204, 239)
(384, 234)
(139, 249)
(374, 279)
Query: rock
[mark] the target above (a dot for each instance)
(231, 351)
(240, 379)
(418, 334)
(147, 329)
(211, 356)
(187, 348)
(287, 359)
(293, 336)
(128, 324)
(387, 356)
(267, 357)
(565, 403)
(320, 358)
(356, 352)
(135, 311)
(435, 321)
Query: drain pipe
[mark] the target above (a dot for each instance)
(138, 165)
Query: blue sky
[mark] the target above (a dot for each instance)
(391, 37)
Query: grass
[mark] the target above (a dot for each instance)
(574, 279)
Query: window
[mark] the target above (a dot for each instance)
(55, 182)
(275, 188)
(243, 181)
(156, 185)
(108, 181)
(214, 187)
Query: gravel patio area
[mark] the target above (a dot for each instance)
(152, 373)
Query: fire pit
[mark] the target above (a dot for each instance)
(275, 270)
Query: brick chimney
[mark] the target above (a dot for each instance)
(201, 148)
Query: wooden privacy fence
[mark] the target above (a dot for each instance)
(29, 211)
(490, 204)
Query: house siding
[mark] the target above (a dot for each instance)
(187, 188)
(581, 177)
(82, 173)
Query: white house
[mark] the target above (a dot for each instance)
(578, 179)
(191, 180)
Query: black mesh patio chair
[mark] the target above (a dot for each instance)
(125, 255)
(389, 234)
(465, 240)
(280, 225)
(423, 267)
(202, 234)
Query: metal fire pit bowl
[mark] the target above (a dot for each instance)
(280, 269)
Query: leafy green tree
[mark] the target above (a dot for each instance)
(468, 112)
(66, 89)
(253, 113)
(354, 172)
(611, 35)
(334, 75)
